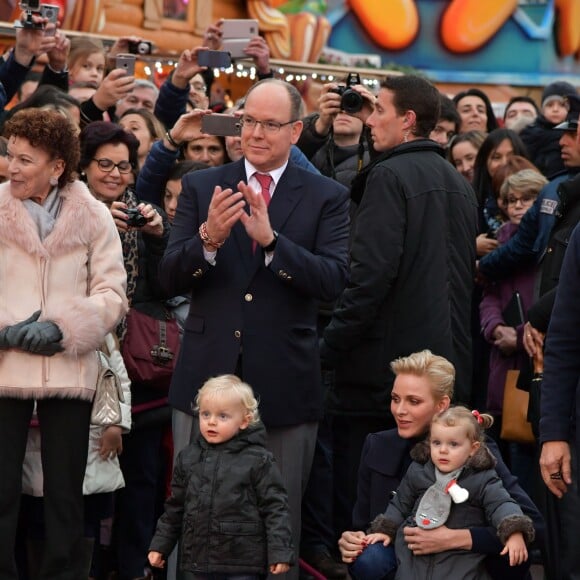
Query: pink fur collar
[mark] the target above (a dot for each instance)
(78, 223)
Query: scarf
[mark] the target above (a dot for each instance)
(44, 215)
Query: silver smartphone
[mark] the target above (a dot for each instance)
(50, 12)
(236, 47)
(239, 28)
(221, 124)
(126, 62)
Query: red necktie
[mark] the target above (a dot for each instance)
(265, 181)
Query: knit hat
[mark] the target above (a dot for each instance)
(557, 90)
(571, 122)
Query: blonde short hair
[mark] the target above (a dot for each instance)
(233, 387)
(526, 181)
(439, 371)
(474, 422)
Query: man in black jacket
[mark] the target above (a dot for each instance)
(412, 265)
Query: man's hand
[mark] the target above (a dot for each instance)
(423, 542)
(188, 126)
(31, 42)
(156, 559)
(212, 37)
(260, 52)
(225, 209)
(187, 67)
(351, 545)
(328, 108)
(58, 54)
(116, 85)
(556, 466)
(257, 223)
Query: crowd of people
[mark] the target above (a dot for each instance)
(341, 288)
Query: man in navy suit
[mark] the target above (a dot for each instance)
(256, 273)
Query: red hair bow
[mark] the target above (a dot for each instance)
(476, 414)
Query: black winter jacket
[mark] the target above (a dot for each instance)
(411, 276)
(228, 507)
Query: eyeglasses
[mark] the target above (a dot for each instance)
(524, 199)
(268, 126)
(108, 165)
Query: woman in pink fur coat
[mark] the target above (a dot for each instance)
(62, 289)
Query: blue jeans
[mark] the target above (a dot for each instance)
(375, 563)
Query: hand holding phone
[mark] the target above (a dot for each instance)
(221, 124)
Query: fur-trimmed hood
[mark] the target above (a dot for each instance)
(481, 460)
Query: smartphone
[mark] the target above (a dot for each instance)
(50, 12)
(236, 47)
(126, 62)
(214, 58)
(239, 28)
(221, 124)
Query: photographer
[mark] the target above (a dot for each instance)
(334, 140)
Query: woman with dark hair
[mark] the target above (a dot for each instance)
(108, 163)
(62, 290)
(475, 110)
(495, 151)
(210, 149)
(462, 152)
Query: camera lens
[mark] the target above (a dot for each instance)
(143, 48)
(351, 101)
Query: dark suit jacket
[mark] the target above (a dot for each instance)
(240, 306)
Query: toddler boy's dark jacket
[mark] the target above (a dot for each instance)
(228, 507)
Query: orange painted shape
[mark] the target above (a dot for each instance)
(468, 24)
(568, 31)
(392, 24)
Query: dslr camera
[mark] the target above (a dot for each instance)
(140, 47)
(350, 100)
(134, 218)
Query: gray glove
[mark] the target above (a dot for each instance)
(9, 334)
(41, 338)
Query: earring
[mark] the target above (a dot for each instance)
(405, 136)
(53, 181)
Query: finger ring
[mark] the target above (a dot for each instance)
(557, 475)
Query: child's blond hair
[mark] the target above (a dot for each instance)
(439, 371)
(475, 423)
(525, 181)
(233, 387)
